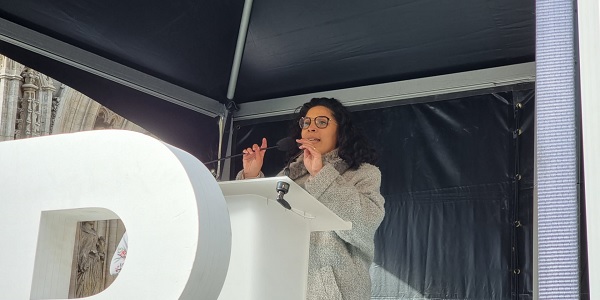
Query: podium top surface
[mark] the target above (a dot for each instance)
(320, 218)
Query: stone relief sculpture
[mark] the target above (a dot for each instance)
(90, 273)
(90, 261)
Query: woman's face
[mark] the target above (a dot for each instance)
(324, 139)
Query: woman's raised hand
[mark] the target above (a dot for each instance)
(313, 161)
(253, 159)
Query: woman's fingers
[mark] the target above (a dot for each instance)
(264, 143)
(252, 150)
(310, 148)
(305, 144)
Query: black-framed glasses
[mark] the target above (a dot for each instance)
(320, 121)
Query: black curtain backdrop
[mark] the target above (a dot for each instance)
(458, 184)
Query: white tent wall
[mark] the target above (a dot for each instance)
(589, 73)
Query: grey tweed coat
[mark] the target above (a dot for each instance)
(339, 261)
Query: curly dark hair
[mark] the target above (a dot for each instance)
(352, 145)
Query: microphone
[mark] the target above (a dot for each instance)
(282, 189)
(285, 144)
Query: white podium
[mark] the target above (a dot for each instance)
(270, 244)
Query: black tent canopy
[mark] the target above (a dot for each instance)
(184, 51)
(175, 67)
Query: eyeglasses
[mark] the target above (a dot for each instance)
(320, 121)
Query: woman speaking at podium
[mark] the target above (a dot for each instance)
(335, 165)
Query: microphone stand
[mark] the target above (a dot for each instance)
(285, 144)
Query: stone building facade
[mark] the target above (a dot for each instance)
(32, 105)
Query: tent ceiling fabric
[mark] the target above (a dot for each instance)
(292, 47)
(298, 47)
(187, 43)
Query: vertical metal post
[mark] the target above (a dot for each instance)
(239, 49)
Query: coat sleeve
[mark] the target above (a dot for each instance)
(240, 175)
(355, 198)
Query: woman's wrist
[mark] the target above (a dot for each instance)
(246, 176)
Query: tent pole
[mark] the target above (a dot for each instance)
(221, 121)
(225, 138)
(239, 49)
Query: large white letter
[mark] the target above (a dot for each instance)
(175, 214)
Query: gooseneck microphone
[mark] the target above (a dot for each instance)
(285, 144)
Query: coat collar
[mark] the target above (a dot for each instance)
(298, 170)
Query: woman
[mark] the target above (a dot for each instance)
(336, 168)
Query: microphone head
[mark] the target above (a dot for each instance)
(287, 144)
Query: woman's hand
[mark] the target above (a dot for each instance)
(313, 161)
(253, 159)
